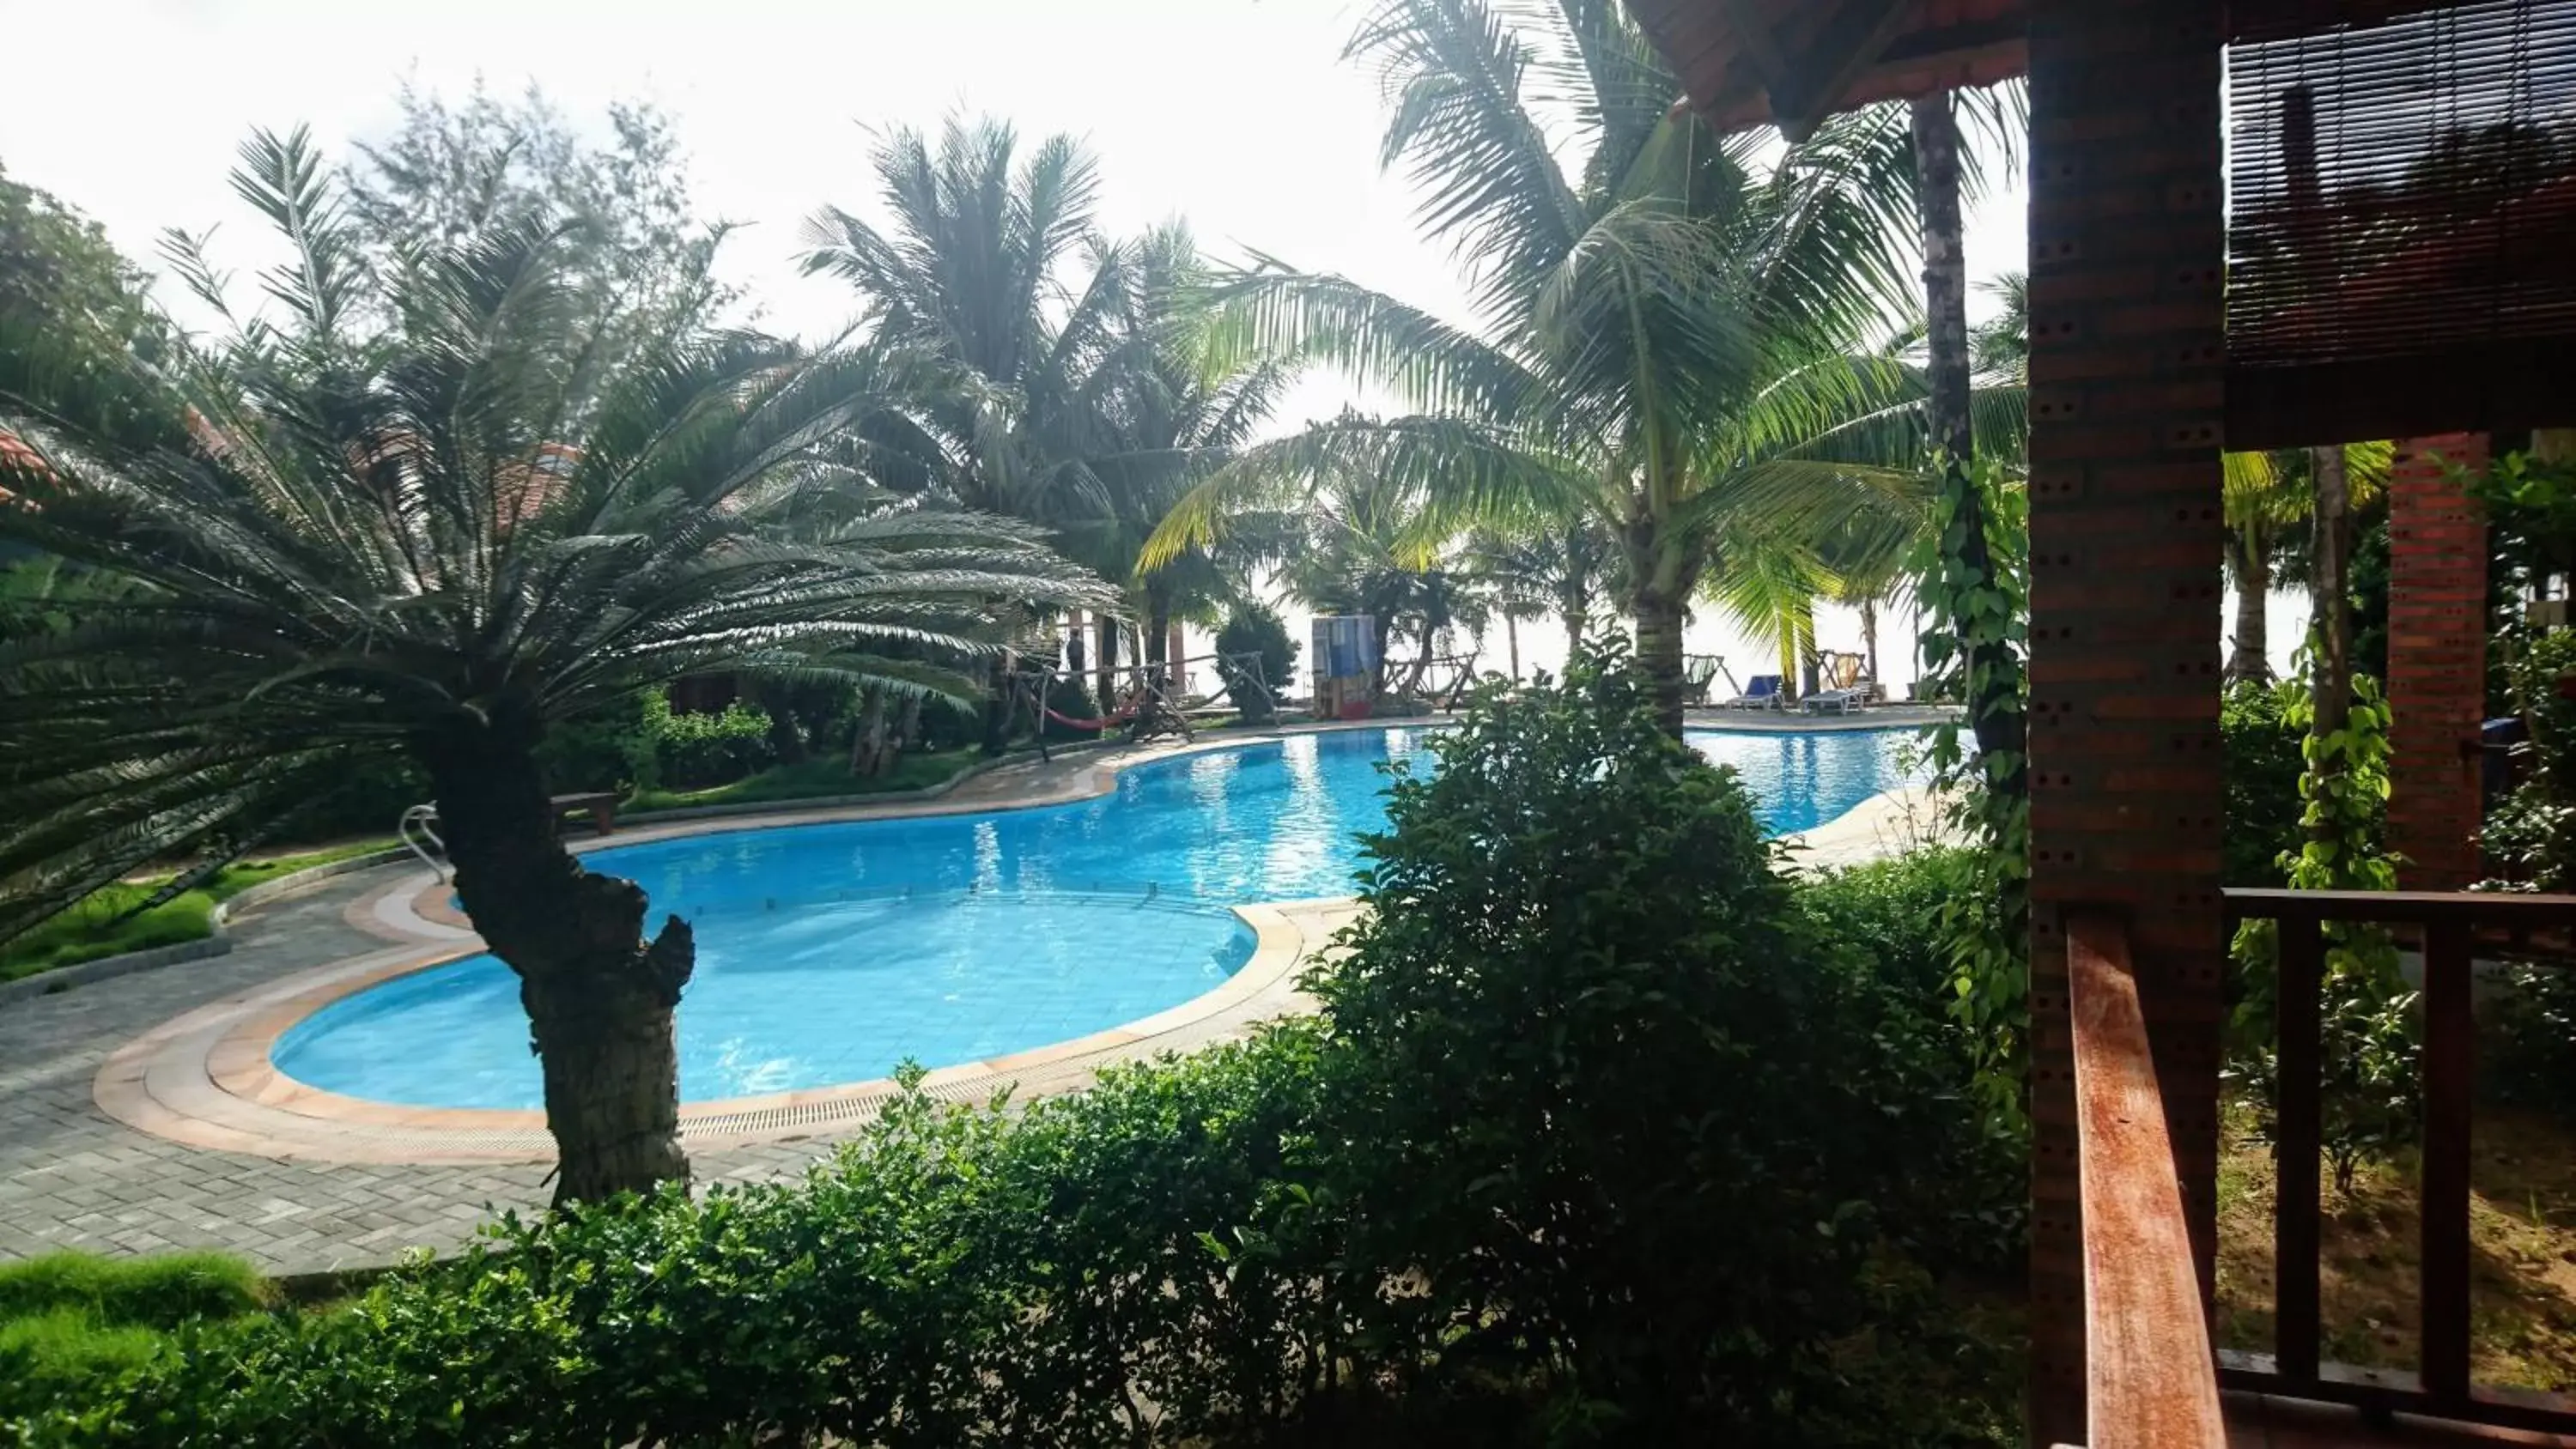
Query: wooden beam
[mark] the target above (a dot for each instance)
(1756, 44)
(1949, 40)
(2150, 1380)
(1848, 45)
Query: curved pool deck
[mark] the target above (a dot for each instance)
(208, 1078)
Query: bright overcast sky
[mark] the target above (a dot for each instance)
(1236, 114)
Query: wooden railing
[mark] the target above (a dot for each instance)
(2150, 1380)
(2450, 929)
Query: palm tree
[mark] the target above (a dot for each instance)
(1183, 400)
(2261, 501)
(431, 543)
(1562, 569)
(1992, 674)
(978, 272)
(1663, 325)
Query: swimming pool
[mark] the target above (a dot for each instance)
(828, 953)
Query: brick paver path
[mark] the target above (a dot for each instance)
(71, 1177)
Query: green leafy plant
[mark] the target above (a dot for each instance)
(1625, 1128)
(694, 751)
(2369, 1047)
(2263, 732)
(1976, 631)
(1071, 698)
(1253, 629)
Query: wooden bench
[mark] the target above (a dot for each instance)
(599, 805)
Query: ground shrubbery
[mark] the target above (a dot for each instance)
(70, 1322)
(1607, 1133)
(2262, 733)
(1252, 629)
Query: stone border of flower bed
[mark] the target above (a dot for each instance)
(217, 943)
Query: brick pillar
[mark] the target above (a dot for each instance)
(2437, 661)
(2127, 399)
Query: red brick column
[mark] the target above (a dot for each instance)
(2127, 398)
(2437, 660)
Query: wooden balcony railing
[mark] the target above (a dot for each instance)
(2150, 1379)
(2449, 928)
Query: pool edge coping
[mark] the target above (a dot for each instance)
(207, 1078)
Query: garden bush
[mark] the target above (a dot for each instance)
(2261, 736)
(1254, 629)
(1622, 1116)
(1964, 1198)
(694, 751)
(613, 747)
(71, 1320)
(1070, 697)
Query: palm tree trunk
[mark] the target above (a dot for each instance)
(1108, 665)
(1512, 644)
(1158, 633)
(2249, 645)
(868, 746)
(1869, 636)
(600, 997)
(2330, 686)
(1662, 572)
(1659, 614)
(909, 736)
(1994, 696)
(999, 703)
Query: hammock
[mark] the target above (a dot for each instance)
(1125, 713)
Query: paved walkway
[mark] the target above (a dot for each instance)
(70, 1177)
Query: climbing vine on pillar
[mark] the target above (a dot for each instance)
(1974, 573)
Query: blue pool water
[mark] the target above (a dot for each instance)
(828, 953)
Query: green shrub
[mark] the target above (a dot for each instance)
(1963, 1196)
(695, 751)
(1253, 629)
(72, 1323)
(1070, 697)
(610, 748)
(155, 1292)
(1609, 1103)
(2528, 1050)
(2259, 775)
(98, 926)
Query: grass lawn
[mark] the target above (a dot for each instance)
(2522, 1241)
(77, 1318)
(815, 779)
(99, 925)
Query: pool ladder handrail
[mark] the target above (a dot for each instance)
(424, 819)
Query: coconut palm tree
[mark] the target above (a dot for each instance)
(1563, 569)
(1942, 171)
(1182, 401)
(991, 266)
(431, 543)
(1665, 320)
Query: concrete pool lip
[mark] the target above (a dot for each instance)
(207, 1078)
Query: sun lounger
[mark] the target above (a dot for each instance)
(1762, 691)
